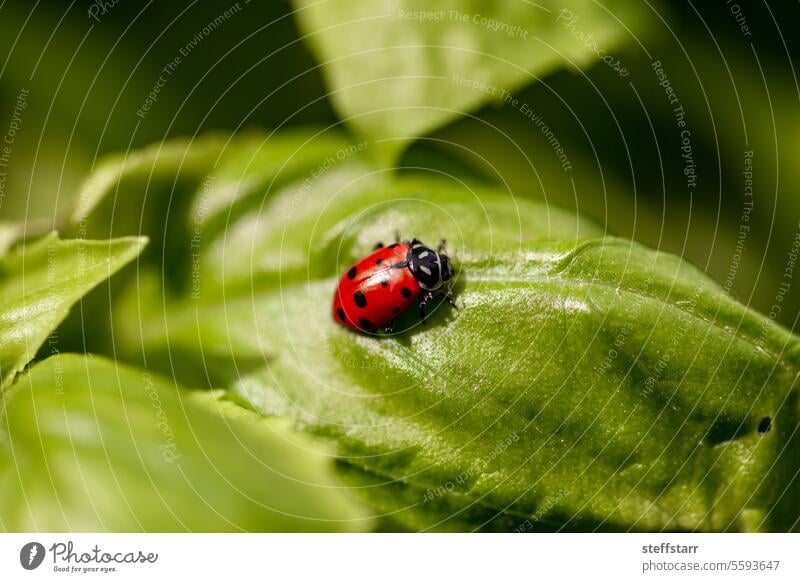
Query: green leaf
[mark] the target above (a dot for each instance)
(10, 232)
(41, 280)
(94, 446)
(615, 174)
(130, 192)
(284, 202)
(578, 386)
(257, 163)
(312, 230)
(397, 69)
(184, 192)
(146, 192)
(581, 384)
(287, 239)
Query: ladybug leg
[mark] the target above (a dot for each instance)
(390, 326)
(448, 296)
(396, 236)
(442, 245)
(422, 303)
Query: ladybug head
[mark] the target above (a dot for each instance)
(430, 268)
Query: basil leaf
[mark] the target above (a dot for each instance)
(398, 69)
(580, 385)
(41, 280)
(312, 229)
(597, 386)
(255, 164)
(183, 193)
(93, 446)
(10, 233)
(627, 186)
(132, 192)
(284, 224)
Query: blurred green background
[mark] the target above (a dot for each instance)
(84, 70)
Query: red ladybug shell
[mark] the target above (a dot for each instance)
(373, 292)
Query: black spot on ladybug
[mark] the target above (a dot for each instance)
(359, 298)
(765, 425)
(391, 246)
(340, 313)
(351, 274)
(365, 323)
(379, 261)
(385, 283)
(405, 292)
(395, 310)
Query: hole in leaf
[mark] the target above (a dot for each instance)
(765, 425)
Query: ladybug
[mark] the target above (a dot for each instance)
(378, 288)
